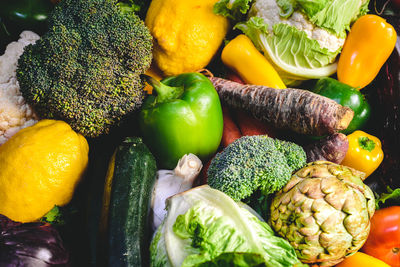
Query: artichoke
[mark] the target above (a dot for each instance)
(324, 212)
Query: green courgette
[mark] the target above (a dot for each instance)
(124, 221)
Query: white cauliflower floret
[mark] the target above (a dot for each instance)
(15, 113)
(269, 11)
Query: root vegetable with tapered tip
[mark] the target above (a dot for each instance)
(295, 109)
(332, 148)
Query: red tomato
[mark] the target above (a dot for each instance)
(384, 238)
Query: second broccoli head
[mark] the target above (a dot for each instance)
(86, 69)
(253, 163)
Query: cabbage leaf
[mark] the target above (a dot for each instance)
(205, 227)
(290, 51)
(233, 9)
(333, 15)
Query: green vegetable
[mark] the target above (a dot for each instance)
(17, 16)
(205, 227)
(301, 38)
(392, 197)
(138, 6)
(327, 14)
(309, 60)
(86, 68)
(253, 163)
(184, 117)
(233, 9)
(54, 216)
(125, 223)
(346, 96)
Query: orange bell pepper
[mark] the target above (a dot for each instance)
(364, 154)
(242, 56)
(367, 47)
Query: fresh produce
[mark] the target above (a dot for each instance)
(391, 196)
(253, 163)
(205, 227)
(298, 110)
(184, 117)
(369, 44)
(17, 16)
(365, 152)
(86, 68)
(231, 132)
(15, 113)
(331, 148)
(139, 6)
(361, 259)
(347, 96)
(384, 239)
(40, 167)
(125, 223)
(31, 244)
(243, 57)
(249, 125)
(186, 34)
(172, 182)
(324, 212)
(300, 38)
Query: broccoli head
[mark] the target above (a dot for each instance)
(86, 69)
(253, 163)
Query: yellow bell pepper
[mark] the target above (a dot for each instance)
(367, 47)
(365, 152)
(243, 57)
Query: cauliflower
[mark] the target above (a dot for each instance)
(15, 114)
(270, 12)
(300, 38)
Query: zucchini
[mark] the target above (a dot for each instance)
(124, 222)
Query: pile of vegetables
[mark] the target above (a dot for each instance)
(199, 133)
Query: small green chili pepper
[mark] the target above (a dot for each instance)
(347, 96)
(184, 117)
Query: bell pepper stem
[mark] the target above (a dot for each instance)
(366, 143)
(164, 92)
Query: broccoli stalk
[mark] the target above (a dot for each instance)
(255, 167)
(86, 69)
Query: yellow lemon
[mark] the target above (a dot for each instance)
(186, 34)
(39, 168)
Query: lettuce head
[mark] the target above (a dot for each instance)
(205, 227)
(301, 38)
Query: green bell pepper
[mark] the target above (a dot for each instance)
(20, 15)
(347, 96)
(185, 116)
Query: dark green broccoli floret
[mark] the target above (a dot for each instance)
(86, 68)
(254, 163)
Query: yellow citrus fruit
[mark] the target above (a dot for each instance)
(186, 34)
(39, 168)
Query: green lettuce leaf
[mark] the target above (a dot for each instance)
(233, 9)
(391, 195)
(290, 51)
(235, 259)
(205, 227)
(333, 15)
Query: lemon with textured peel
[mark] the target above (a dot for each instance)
(39, 168)
(187, 34)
